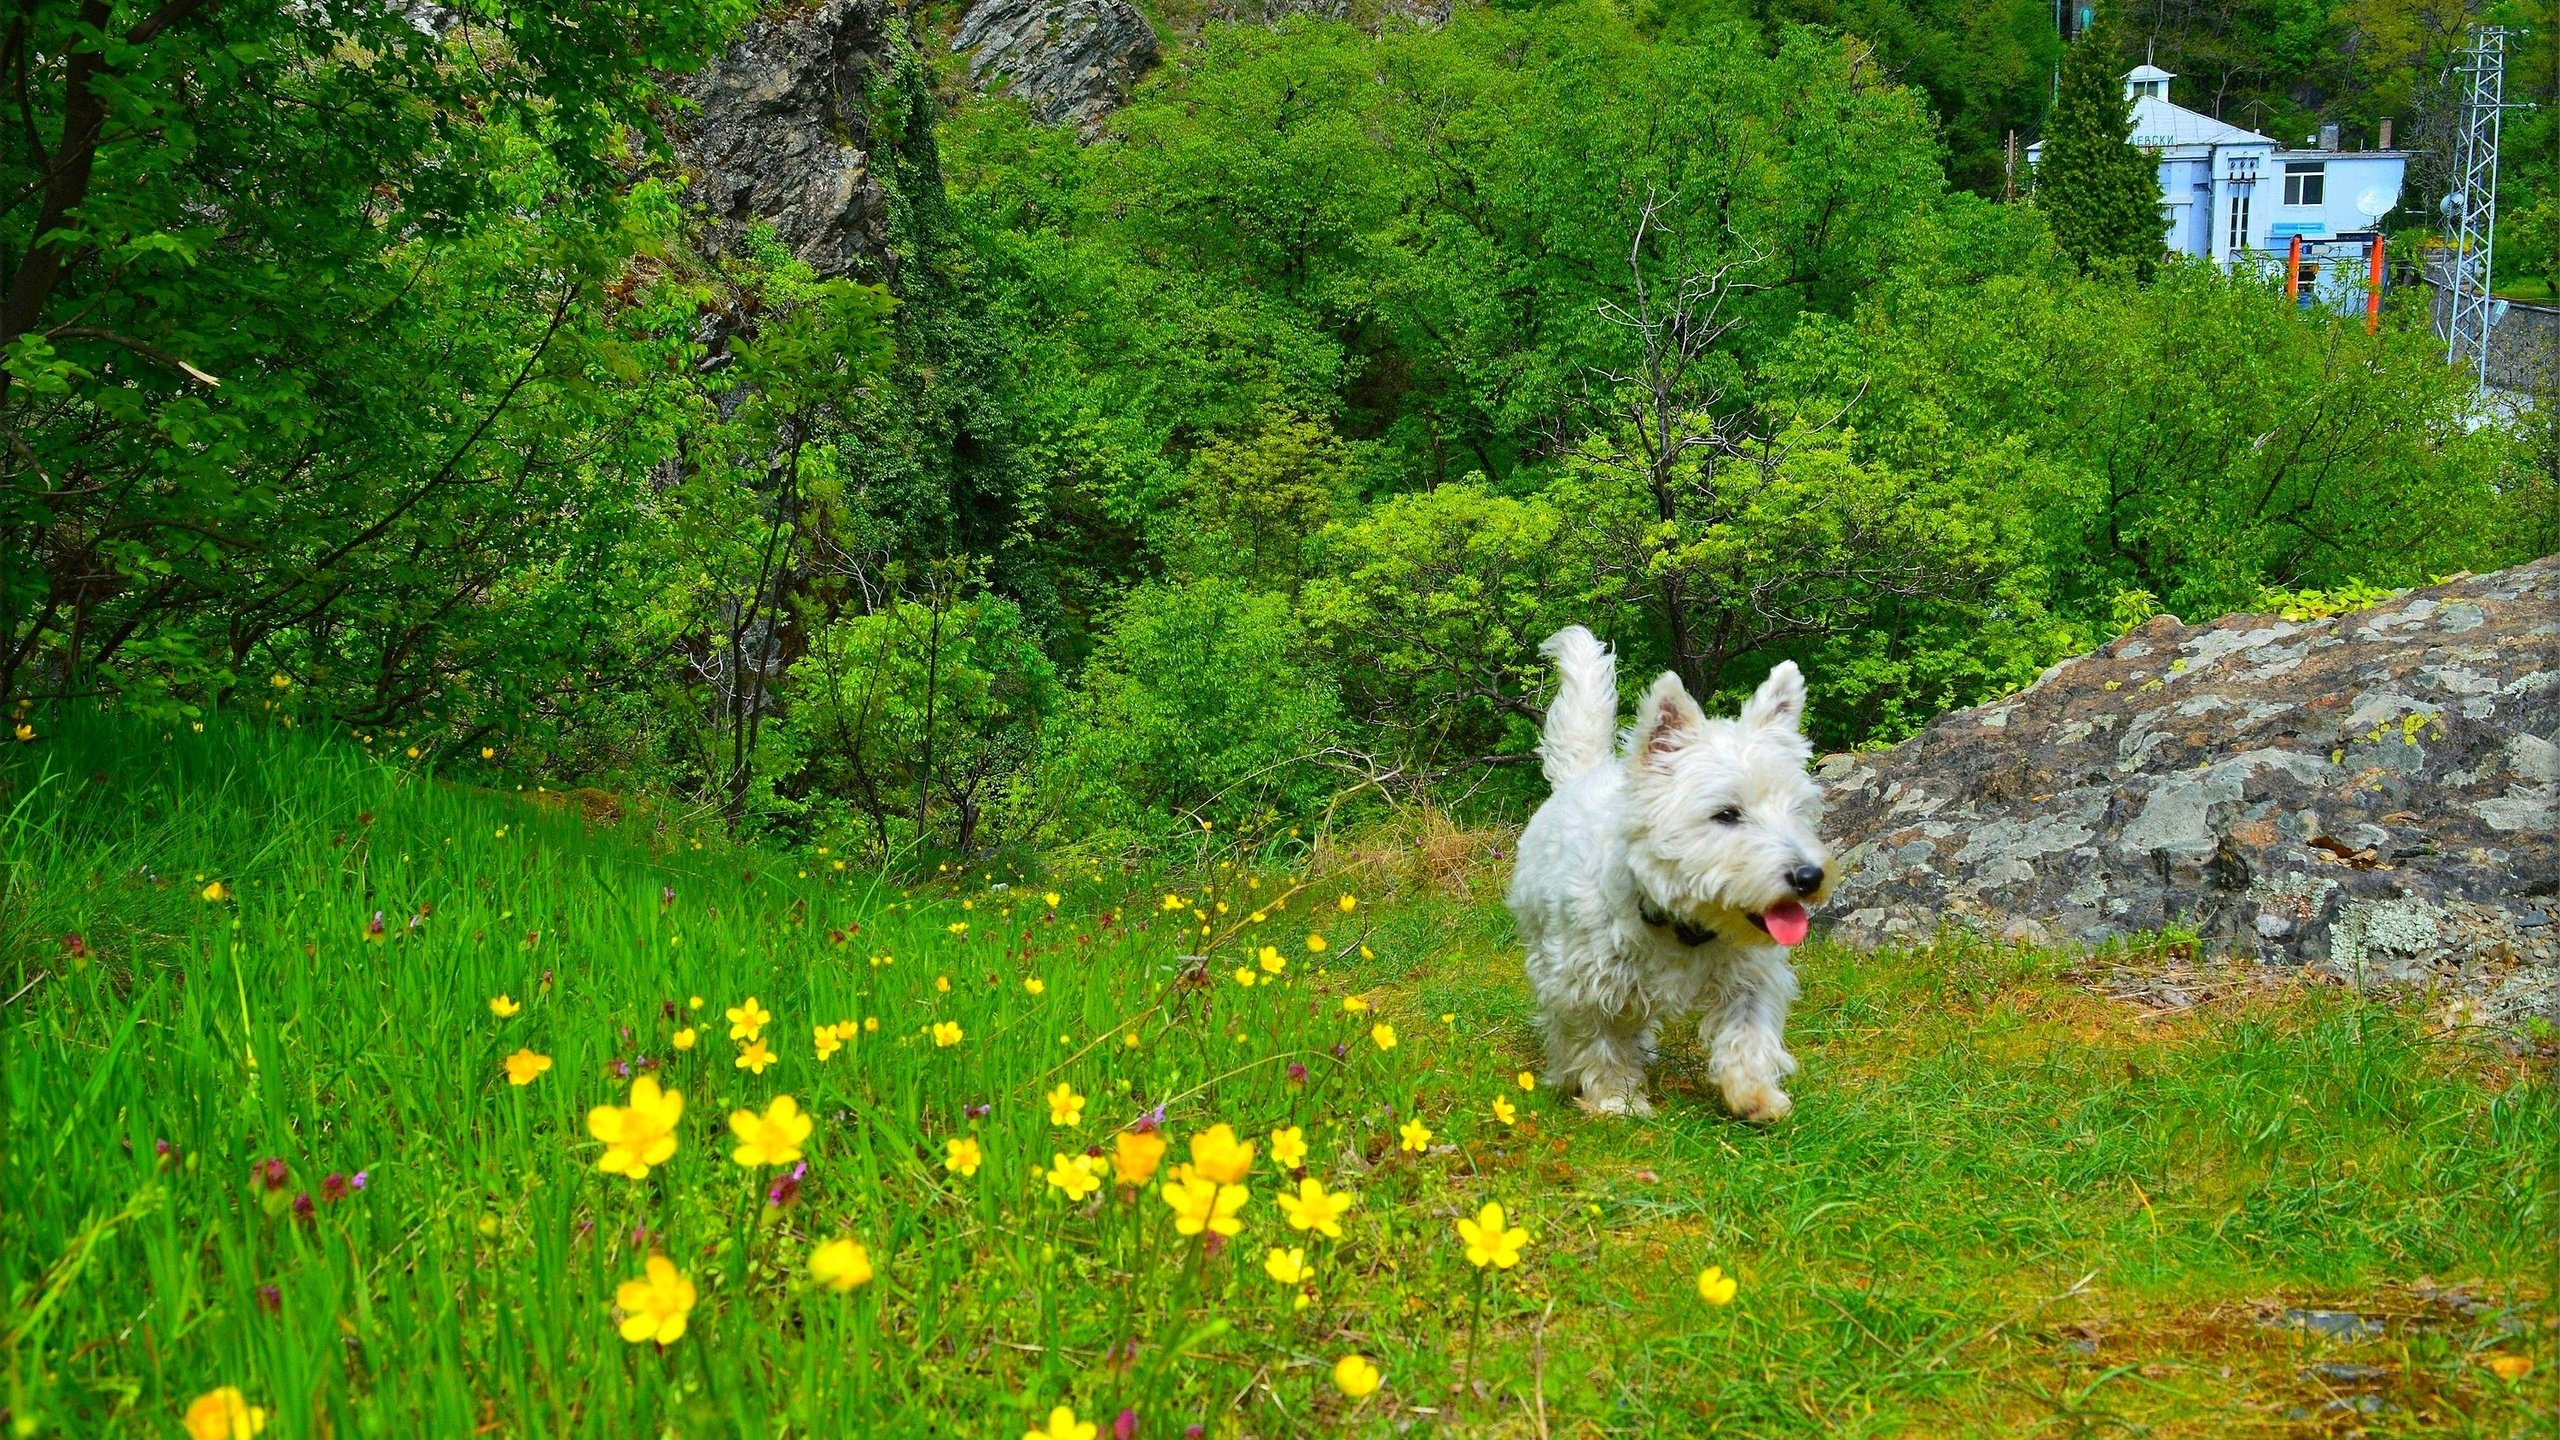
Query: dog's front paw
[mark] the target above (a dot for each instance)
(1633, 1102)
(1758, 1104)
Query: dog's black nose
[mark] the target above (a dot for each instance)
(1805, 879)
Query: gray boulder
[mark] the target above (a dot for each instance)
(2374, 793)
(1072, 61)
(781, 133)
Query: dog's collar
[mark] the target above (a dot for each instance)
(1687, 932)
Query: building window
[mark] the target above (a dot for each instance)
(2305, 182)
(2239, 221)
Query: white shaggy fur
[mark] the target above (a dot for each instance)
(1708, 824)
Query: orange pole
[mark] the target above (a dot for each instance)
(2293, 271)
(2373, 292)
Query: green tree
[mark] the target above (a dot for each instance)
(319, 354)
(2099, 191)
(907, 725)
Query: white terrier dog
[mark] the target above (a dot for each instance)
(1670, 879)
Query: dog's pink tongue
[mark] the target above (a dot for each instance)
(1787, 922)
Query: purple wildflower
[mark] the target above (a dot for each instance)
(787, 1188)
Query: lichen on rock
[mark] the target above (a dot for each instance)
(778, 130)
(2374, 794)
(1071, 61)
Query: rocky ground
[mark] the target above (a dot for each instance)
(2372, 794)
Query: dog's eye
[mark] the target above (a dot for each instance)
(1729, 815)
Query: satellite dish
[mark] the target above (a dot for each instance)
(2376, 203)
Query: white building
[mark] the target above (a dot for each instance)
(2236, 196)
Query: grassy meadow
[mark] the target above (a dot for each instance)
(264, 1132)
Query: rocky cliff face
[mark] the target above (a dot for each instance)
(2374, 793)
(782, 133)
(1072, 61)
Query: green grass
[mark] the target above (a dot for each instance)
(2005, 1205)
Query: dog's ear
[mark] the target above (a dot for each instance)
(1779, 702)
(1667, 720)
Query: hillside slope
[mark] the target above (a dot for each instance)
(302, 1051)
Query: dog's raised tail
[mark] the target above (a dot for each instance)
(1582, 722)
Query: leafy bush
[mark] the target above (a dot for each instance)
(906, 725)
(1431, 607)
(1199, 705)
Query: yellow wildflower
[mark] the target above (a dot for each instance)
(1354, 1005)
(755, 1057)
(1288, 1147)
(503, 1006)
(1199, 1203)
(524, 1066)
(1135, 1155)
(1289, 1266)
(684, 1038)
(1050, 899)
(747, 1021)
(1066, 1107)
(946, 1033)
(1347, 903)
(1490, 1240)
(1063, 1425)
(1077, 1175)
(1383, 1036)
(1314, 1208)
(1716, 1287)
(773, 1138)
(1174, 902)
(840, 1265)
(1315, 944)
(1272, 960)
(1528, 1080)
(224, 1414)
(1218, 1155)
(1417, 1136)
(1033, 985)
(214, 893)
(1505, 1111)
(1355, 1377)
(638, 1135)
(961, 1156)
(1244, 975)
(828, 1040)
(655, 1308)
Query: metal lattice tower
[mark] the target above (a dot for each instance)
(2472, 209)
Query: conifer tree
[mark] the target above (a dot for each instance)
(2101, 193)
